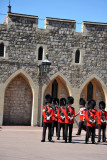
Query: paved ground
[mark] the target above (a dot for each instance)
(24, 143)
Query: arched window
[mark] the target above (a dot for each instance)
(40, 53)
(1, 50)
(54, 89)
(77, 56)
(90, 91)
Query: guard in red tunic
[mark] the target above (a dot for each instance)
(81, 112)
(69, 118)
(91, 119)
(95, 112)
(47, 118)
(55, 103)
(61, 117)
(102, 119)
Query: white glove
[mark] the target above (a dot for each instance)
(90, 121)
(56, 115)
(71, 118)
(62, 117)
(103, 121)
(94, 121)
(48, 118)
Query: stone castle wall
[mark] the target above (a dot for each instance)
(21, 37)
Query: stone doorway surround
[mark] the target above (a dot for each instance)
(18, 102)
(98, 86)
(34, 90)
(61, 79)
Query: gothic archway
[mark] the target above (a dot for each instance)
(18, 102)
(58, 86)
(93, 90)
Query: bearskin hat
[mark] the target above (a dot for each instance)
(91, 104)
(101, 105)
(82, 102)
(48, 99)
(55, 101)
(70, 100)
(62, 102)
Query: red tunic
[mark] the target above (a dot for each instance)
(71, 110)
(95, 111)
(60, 120)
(55, 115)
(88, 119)
(82, 113)
(99, 117)
(50, 110)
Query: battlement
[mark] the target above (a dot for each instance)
(21, 18)
(54, 23)
(93, 26)
(51, 23)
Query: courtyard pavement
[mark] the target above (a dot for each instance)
(24, 143)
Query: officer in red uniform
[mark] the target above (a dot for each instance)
(47, 118)
(102, 119)
(69, 118)
(61, 117)
(95, 112)
(55, 103)
(81, 112)
(91, 119)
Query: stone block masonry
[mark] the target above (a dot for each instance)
(22, 39)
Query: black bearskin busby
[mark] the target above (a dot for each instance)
(70, 100)
(48, 99)
(62, 102)
(91, 104)
(82, 102)
(101, 105)
(55, 101)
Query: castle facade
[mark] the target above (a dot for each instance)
(78, 65)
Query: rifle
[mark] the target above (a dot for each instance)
(69, 114)
(62, 114)
(103, 120)
(92, 121)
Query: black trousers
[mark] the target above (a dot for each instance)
(81, 126)
(54, 124)
(103, 129)
(90, 131)
(61, 125)
(45, 125)
(70, 126)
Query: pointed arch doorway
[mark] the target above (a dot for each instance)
(93, 90)
(18, 102)
(57, 88)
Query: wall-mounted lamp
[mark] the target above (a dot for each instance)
(45, 65)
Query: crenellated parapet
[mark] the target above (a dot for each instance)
(56, 23)
(93, 26)
(14, 18)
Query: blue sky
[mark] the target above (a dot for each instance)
(79, 10)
